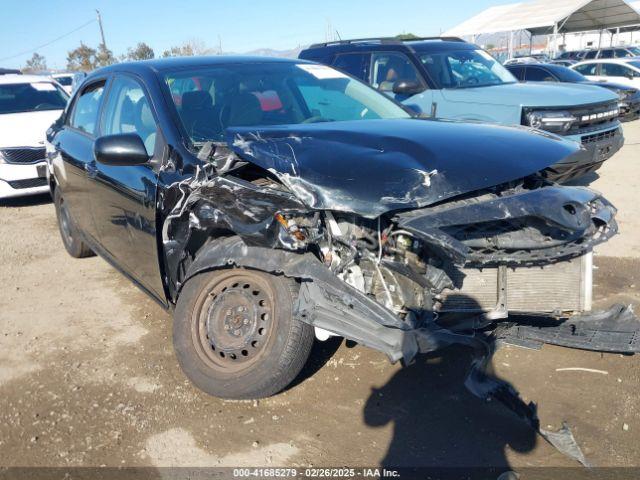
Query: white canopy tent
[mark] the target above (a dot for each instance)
(549, 17)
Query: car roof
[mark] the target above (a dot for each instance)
(431, 45)
(178, 63)
(14, 78)
(621, 61)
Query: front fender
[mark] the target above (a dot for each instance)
(324, 301)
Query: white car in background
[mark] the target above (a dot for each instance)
(69, 81)
(620, 70)
(28, 106)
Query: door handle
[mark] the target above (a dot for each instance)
(91, 169)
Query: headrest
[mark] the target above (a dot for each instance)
(196, 100)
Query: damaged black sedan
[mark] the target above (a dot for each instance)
(262, 200)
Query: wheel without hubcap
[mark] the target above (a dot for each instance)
(235, 335)
(235, 322)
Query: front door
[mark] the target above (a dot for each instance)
(124, 201)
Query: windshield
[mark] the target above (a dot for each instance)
(257, 94)
(28, 97)
(634, 50)
(465, 68)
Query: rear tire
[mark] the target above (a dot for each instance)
(235, 336)
(71, 238)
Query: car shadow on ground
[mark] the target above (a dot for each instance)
(438, 423)
(29, 201)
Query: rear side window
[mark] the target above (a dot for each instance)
(534, 74)
(85, 111)
(356, 64)
(588, 69)
(606, 54)
(591, 54)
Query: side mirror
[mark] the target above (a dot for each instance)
(122, 149)
(404, 87)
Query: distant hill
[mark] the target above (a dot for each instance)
(270, 52)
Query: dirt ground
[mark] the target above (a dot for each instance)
(88, 376)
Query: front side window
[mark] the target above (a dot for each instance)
(30, 97)
(211, 99)
(356, 64)
(85, 111)
(389, 68)
(128, 111)
(465, 68)
(607, 54)
(589, 69)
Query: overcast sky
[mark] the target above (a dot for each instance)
(242, 25)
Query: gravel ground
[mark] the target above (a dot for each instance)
(88, 376)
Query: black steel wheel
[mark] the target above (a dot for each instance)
(235, 335)
(69, 232)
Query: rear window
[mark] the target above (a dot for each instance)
(30, 97)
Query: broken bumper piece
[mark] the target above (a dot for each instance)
(615, 330)
(530, 227)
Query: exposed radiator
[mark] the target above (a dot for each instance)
(565, 286)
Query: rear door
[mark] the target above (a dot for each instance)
(124, 197)
(74, 144)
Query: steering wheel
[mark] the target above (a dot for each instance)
(42, 105)
(472, 81)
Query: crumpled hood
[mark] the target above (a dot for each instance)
(370, 167)
(531, 94)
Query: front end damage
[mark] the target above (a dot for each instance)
(374, 257)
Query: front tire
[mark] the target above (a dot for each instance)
(235, 336)
(69, 231)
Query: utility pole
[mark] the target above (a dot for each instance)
(101, 29)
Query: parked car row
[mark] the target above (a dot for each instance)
(600, 53)
(628, 97)
(265, 201)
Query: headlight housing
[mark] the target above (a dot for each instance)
(2, 159)
(550, 120)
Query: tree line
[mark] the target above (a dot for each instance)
(85, 58)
